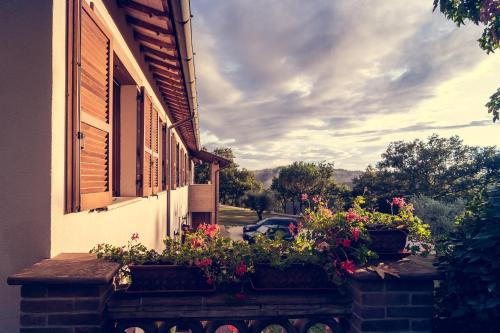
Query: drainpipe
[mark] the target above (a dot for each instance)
(216, 195)
(169, 130)
(183, 30)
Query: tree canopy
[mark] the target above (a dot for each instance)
(440, 168)
(487, 13)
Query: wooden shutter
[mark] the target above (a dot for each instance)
(173, 169)
(155, 156)
(96, 113)
(163, 158)
(146, 158)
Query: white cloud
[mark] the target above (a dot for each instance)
(336, 80)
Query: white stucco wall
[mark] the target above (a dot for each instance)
(25, 143)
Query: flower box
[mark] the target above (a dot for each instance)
(305, 277)
(168, 278)
(388, 242)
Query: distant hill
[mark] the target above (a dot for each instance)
(341, 176)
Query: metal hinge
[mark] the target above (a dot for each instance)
(140, 96)
(80, 135)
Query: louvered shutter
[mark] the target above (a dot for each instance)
(173, 170)
(146, 152)
(96, 114)
(155, 151)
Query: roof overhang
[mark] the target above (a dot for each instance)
(206, 156)
(162, 28)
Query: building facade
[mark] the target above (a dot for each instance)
(99, 131)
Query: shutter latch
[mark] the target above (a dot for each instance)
(81, 136)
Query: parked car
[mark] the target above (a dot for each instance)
(269, 231)
(271, 221)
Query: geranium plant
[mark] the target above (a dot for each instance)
(339, 237)
(401, 218)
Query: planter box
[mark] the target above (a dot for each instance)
(388, 243)
(168, 278)
(306, 277)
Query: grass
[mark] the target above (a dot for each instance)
(235, 216)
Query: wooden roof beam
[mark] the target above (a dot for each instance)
(148, 39)
(159, 54)
(143, 8)
(170, 87)
(159, 77)
(162, 63)
(148, 26)
(165, 73)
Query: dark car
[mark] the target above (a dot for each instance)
(269, 231)
(272, 221)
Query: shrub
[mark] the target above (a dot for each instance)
(439, 215)
(470, 293)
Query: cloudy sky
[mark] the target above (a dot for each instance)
(287, 80)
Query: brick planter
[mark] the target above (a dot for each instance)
(66, 294)
(394, 304)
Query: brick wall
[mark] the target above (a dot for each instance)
(391, 305)
(63, 308)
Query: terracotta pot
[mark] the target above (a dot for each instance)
(294, 277)
(168, 278)
(387, 242)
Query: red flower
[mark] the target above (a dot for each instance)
(293, 229)
(204, 262)
(346, 243)
(303, 197)
(351, 215)
(135, 236)
(400, 202)
(210, 280)
(348, 266)
(241, 269)
(355, 233)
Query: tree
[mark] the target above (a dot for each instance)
(486, 12)
(259, 202)
(440, 168)
(303, 178)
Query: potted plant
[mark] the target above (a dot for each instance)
(199, 263)
(341, 241)
(396, 234)
(288, 265)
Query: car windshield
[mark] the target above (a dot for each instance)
(263, 229)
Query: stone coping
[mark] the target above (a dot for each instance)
(411, 268)
(67, 268)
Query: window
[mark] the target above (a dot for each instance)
(114, 134)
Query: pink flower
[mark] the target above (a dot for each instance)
(348, 266)
(135, 236)
(346, 243)
(204, 262)
(351, 215)
(355, 233)
(303, 197)
(211, 230)
(400, 202)
(316, 199)
(210, 280)
(293, 229)
(241, 269)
